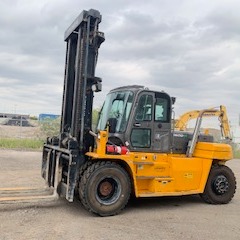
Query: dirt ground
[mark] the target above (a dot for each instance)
(156, 218)
(20, 132)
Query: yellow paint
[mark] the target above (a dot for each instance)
(101, 142)
(161, 174)
(218, 151)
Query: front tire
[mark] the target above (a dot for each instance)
(104, 188)
(81, 171)
(221, 185)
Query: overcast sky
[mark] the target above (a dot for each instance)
(187, 48)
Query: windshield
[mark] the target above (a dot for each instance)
(115, 111)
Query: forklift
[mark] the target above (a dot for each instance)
(135, 149)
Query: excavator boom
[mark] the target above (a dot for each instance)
(221, 113)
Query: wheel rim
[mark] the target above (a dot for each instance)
(108, 190)
(220, 185)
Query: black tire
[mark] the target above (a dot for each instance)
(81, 171)
(84, 167)
(104, 188)
(221, 185)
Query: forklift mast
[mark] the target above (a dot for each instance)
(63, 155)
(83, 41)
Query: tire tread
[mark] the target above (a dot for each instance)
(207, 195)
(84, 180)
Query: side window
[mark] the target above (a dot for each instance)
(161, 110)
(144, 110)
(141, 138)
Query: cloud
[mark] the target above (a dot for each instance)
(189, 49)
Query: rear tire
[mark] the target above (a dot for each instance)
(221, 185)
(104, 188)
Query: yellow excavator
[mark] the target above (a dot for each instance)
(135, 149)
(182, 122)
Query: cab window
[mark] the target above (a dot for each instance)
(161, 110)
(144, 110)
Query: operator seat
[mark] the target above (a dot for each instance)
(112, 124)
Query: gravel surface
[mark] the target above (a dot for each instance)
(156, 218)
(20, 132)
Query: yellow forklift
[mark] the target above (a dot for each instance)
(135, 149)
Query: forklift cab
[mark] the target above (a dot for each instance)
(138, 118)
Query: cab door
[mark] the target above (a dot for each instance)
(162, 133)
(141, 129)
(151, 123)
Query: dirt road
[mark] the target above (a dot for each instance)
(157, 218)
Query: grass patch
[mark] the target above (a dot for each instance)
(21, 143)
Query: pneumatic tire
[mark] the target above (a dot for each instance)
(221, 185)
(104, 188)
(81, 171)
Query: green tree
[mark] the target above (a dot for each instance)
(95, 115)
(50, 127)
